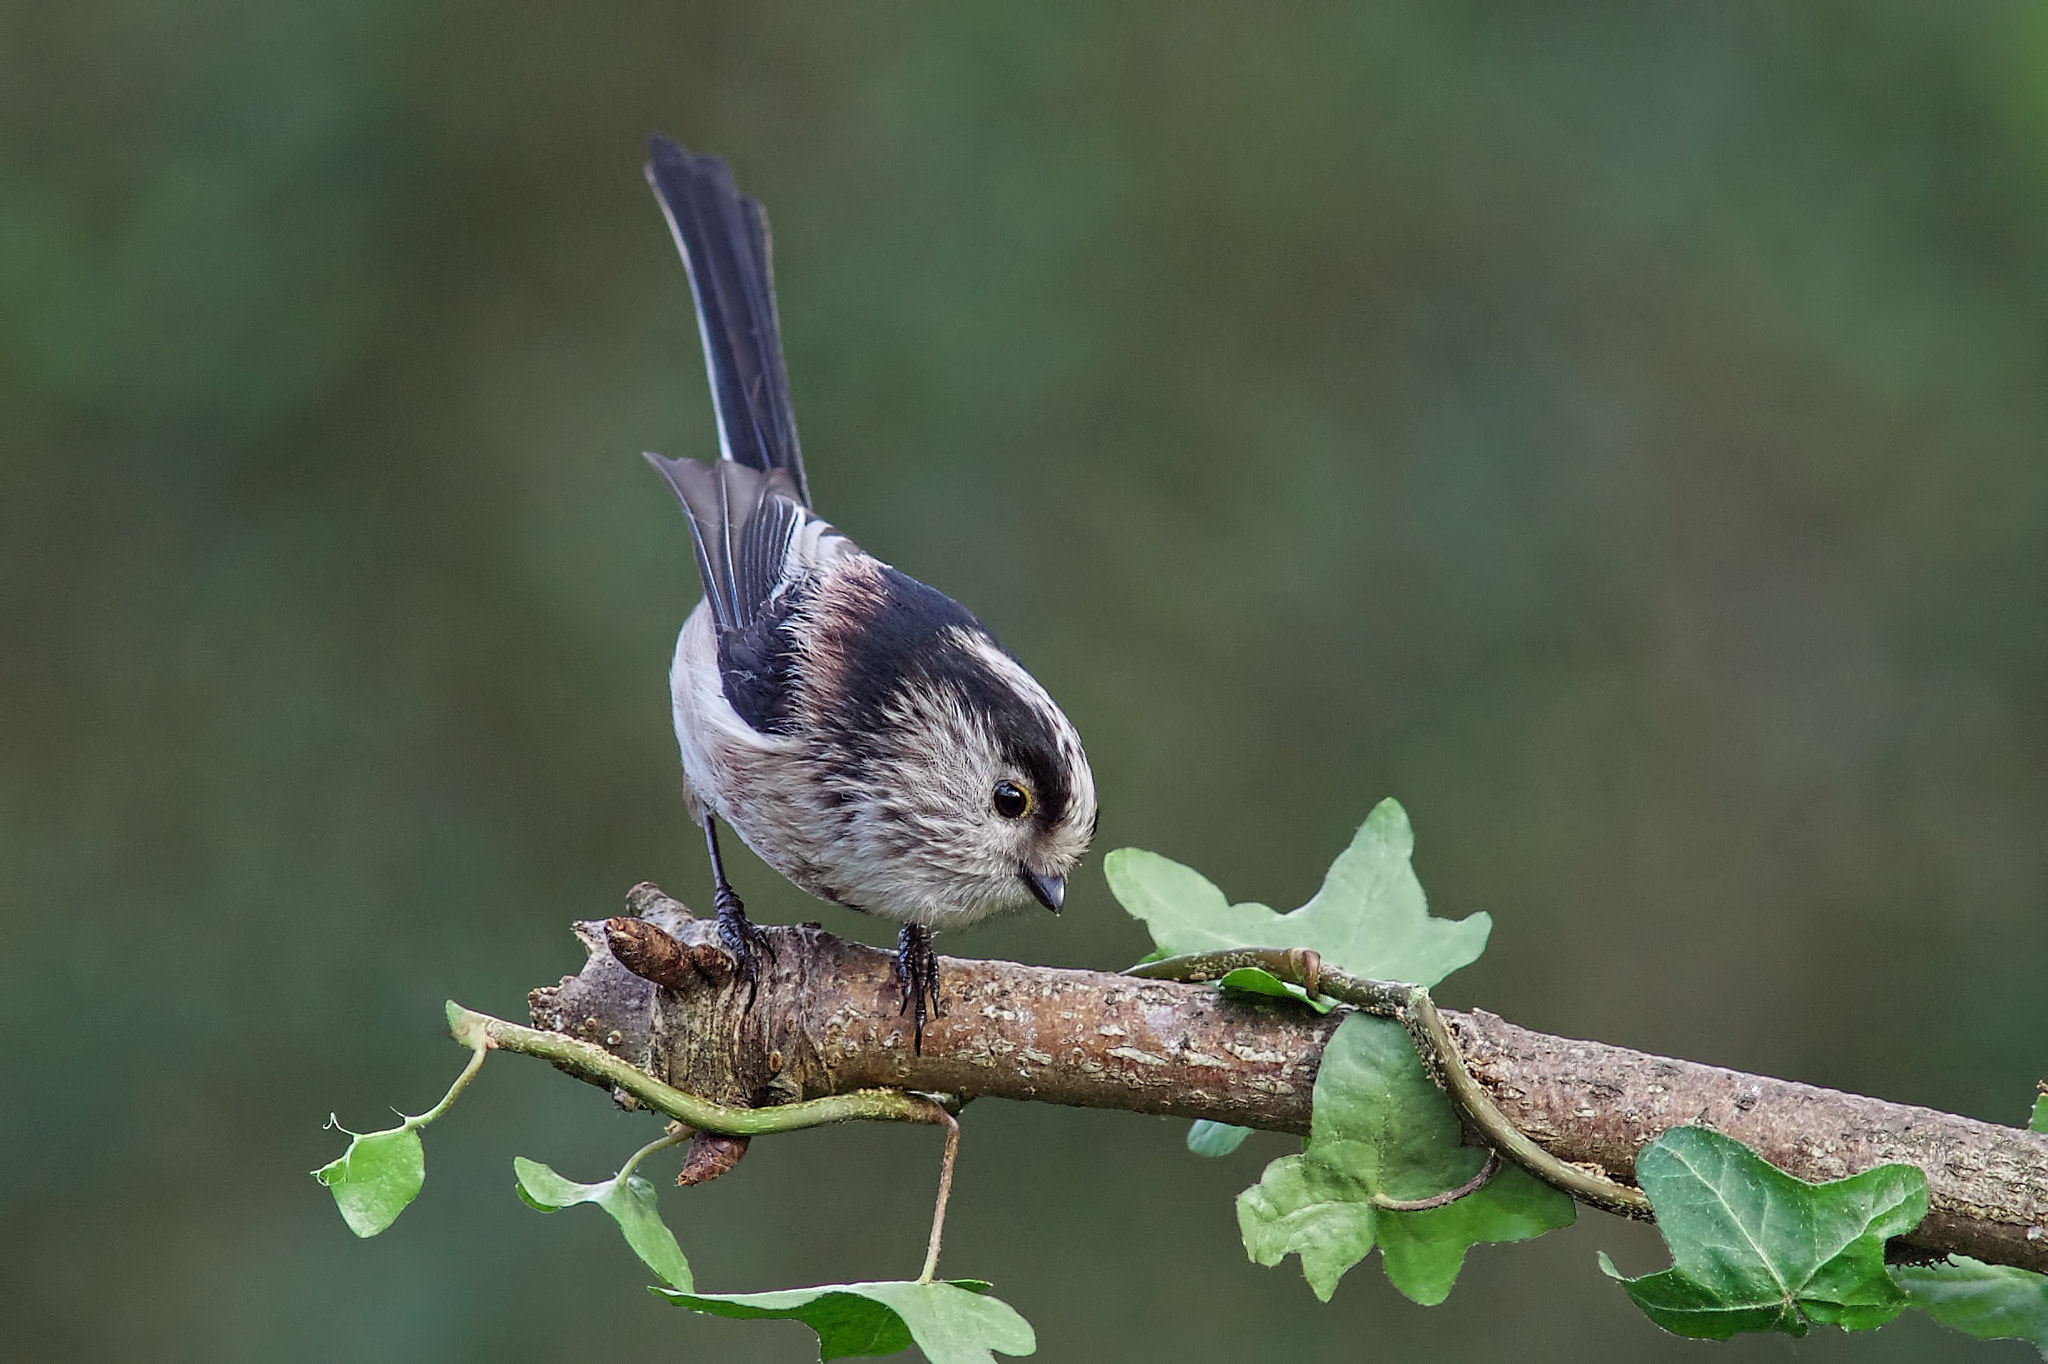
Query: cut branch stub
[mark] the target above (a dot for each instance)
(710, 1155)
(652, 954)
(647, 952)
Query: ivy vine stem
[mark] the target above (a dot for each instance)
(675, 1136)
(476, 1060)
(479, 1030)
(931, 1256)
(1433, 1039)
(1415, 1011)
(1448, 1196)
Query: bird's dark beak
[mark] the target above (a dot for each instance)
(1048, 890)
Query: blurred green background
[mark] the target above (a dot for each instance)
(1617, 432)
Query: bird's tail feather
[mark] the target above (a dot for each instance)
(724, 240)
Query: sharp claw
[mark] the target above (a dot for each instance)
(917, 980)
(741, 938)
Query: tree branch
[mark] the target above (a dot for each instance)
(826, 1023)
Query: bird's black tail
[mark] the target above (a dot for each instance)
(724, 240)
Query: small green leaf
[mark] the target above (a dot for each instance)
(1755, 1249)
(1379, 1130)
(2040, 1122)
(1990, 1302)
(1255, 980)
(953, 1322)
(1369, 918)
(631, 1203)
(1207, 1138)
(374, 1180)
(381, 1172)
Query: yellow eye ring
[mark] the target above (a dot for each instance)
(1011, 801)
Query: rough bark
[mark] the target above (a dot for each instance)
(826, 1021)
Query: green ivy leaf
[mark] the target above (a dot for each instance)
(1755, 1249)
(1990, 1302)
(953, 1322)
(1381, 1130)
(376, 1177)
(1315, 1209)
(1207, 1138)
(1423, 1251)
(2040, 1122)
(630, 1202)
(1369, 918)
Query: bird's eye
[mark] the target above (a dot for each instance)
(1011, 800)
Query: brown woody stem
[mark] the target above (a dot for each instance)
(824, 1026)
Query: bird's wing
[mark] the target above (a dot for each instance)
(742, 525)
(724, 240)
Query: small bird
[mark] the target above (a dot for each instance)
(864, 733)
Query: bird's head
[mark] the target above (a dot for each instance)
(965, 790)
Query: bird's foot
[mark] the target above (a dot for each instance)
(741, 939)
(917, 976)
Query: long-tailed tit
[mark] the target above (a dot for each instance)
(865, 734)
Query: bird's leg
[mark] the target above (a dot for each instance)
(736, 934)
(917, 976)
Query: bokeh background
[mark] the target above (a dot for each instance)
(1615, 431)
